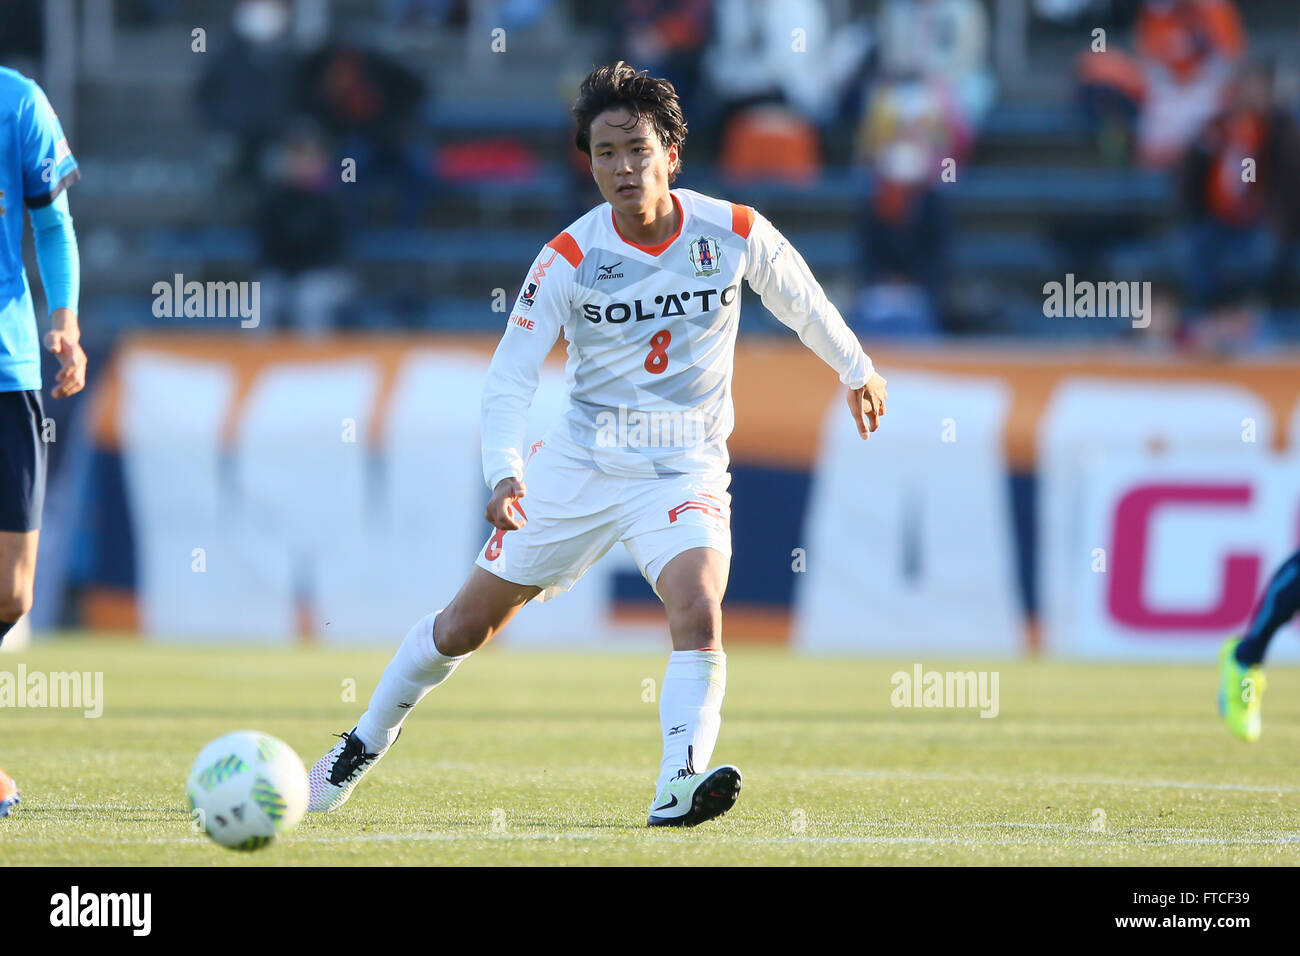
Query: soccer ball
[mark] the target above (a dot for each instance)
(247, 788)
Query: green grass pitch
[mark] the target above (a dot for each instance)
(531, 758)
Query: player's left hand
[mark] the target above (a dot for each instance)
(867, 404)
(64, 340)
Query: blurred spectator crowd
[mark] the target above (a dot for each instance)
(1185, 96)
(890, 95)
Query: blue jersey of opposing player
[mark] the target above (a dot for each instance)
(36, 166)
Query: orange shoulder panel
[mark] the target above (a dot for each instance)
(565, 245)
(742, 220)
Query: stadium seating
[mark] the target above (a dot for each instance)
(1020, 204)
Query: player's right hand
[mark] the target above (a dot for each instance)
(501, 511)
(64, 340)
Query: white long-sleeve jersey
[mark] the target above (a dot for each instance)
(651, 335)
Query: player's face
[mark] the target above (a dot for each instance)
(629, 163)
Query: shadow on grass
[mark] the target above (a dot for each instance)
(146, 815)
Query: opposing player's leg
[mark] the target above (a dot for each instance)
(17, 576)
(22, 497)
(432, 650)
(1280, 603)
(1241, 679)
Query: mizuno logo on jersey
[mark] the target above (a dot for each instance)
(672, 304)
(607, 272)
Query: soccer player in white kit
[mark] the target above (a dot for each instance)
(645, 289)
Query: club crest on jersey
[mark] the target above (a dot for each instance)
(706, 255)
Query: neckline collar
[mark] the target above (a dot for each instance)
(657, 249)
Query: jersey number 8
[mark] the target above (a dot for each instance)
(657, 360)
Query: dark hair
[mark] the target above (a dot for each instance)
(642, 95)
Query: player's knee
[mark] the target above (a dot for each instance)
(458, 632)
(700, 614)
(15, 603)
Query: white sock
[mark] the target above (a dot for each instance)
(690, 711)
(415, 669)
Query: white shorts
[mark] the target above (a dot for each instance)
(576, 513)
